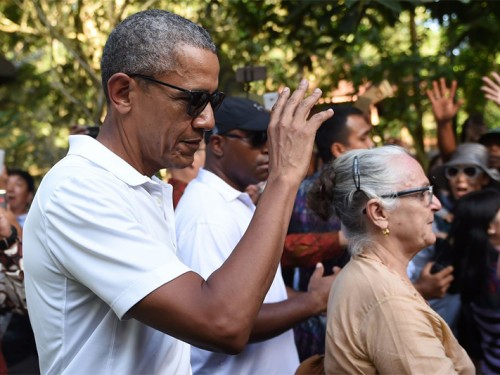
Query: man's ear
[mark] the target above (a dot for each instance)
(377, 213)
(337, 149)
(120, 87)
(216, 145)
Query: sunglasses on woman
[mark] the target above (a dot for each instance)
(197, 100)
(470, 172)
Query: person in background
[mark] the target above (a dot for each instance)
(311, 239)
(445, 108)
(18, 339)
(465, 172)
(180, 177)
(12, 297)
(105, 289)
(211, 218)
(377, 322)
(473, 243)
(20, 193)
(491, 87)
(473, 128)
(491, 140)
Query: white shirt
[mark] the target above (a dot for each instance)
(99, 237)
(211, 218)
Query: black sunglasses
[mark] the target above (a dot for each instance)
(470, 172)
(198, 100)
(257, 139)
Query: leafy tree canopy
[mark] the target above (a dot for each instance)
(56, 48)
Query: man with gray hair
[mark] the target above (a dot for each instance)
(106, 292)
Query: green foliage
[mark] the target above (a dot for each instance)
(56, 47)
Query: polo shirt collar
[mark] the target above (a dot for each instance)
(94, 151)
(225, 190)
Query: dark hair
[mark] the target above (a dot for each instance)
(474, 120)
(334, 130)
(25, 176)
(147, 43)
(468, 241)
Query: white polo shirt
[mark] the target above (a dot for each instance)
(99, 237)
(211, 218)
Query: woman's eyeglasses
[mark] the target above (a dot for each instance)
(256, 139)
(470, 172)
(426, 190)
(197, 100)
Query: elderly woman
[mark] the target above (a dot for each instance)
(377, 321)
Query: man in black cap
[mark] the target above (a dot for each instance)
(212, 216)
(491, 140)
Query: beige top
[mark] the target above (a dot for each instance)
(379, 324)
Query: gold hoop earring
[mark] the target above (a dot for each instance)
(386, 231)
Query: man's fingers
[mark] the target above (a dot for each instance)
(299, 106)
(280, 104)
(295, 100)
(445, 271)
(318, 118)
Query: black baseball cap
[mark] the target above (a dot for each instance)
(490, 138)
(240, 113)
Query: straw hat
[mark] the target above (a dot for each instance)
(466, 154)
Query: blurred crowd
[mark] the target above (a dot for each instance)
(386, 267)
(456, 275)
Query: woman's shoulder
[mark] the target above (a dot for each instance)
(369, 279)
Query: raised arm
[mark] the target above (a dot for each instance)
(307, 249)
(444, 108)
(219, 313)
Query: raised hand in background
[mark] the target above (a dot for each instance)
(491, 87)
